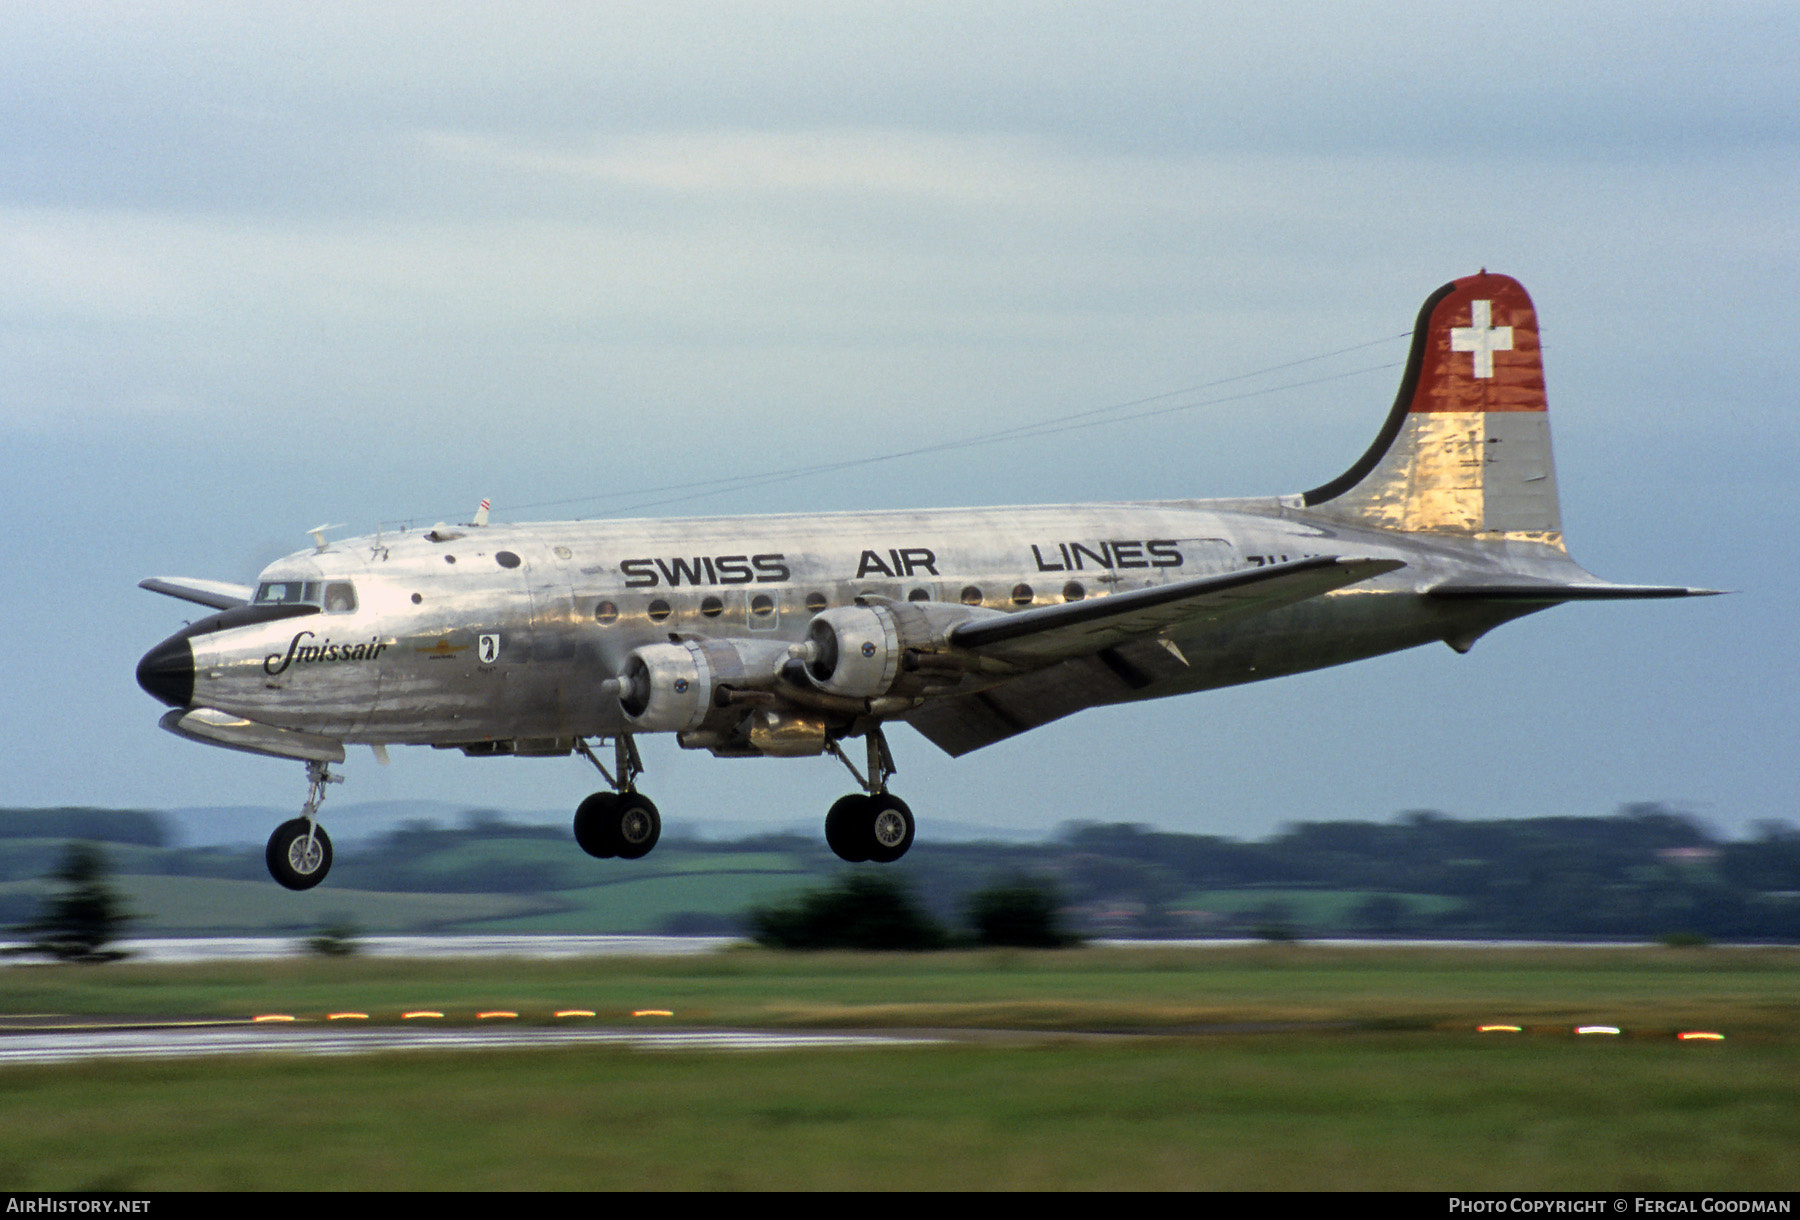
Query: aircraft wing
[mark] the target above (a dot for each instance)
(218, 594)
(1101, 651)
(1056, 633)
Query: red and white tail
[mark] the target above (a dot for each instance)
(1466, 448)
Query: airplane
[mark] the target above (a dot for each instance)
(787, 636)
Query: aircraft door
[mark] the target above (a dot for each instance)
(540, 696)
(463, 637)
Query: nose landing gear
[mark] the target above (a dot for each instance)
(299, 852)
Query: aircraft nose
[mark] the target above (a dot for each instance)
(167, 672)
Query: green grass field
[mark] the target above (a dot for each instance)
(1308, 908)
(1278, 1066)
(721, 884)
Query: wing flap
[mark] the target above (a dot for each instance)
(1056, 633)
(965, 723)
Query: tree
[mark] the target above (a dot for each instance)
(87, 915)
(336, 938)
(1382, 913)
(864, 911)
(1023, 913)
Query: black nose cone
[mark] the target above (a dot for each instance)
(167, 671)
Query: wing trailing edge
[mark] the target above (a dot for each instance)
(1083, 654)
(1554, 591)
(1056, 633)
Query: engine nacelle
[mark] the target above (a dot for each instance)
(666, 688)
(861, 651)
(855, 651)
(675, 688)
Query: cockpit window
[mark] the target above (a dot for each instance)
(337, 596)
(288, 593)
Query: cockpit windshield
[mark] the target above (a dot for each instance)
(336, 597)
(287, 593)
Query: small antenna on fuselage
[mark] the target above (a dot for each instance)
(318, 535)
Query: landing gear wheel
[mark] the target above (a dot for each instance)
(299, 854)
(890, 828)
(596, 821)
(622, 824)
(636, 827)
(878, 826)
(848, 826)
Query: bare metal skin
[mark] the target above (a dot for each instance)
(786, 635)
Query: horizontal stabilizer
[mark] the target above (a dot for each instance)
(1055, 633)
(217, 594)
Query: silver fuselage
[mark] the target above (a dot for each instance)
(514, 633)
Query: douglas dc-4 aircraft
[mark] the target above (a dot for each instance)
(785, 636)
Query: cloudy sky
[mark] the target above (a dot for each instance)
(268, 266)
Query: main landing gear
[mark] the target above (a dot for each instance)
(299, 853)
(873, 824)
(624, 822)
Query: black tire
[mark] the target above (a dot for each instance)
(292, 861)
(847, 828)
(636, 827)
(597, 825)
(890, 829)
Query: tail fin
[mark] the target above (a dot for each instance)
(1466, 448)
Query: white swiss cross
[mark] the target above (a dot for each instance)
(1483, 338)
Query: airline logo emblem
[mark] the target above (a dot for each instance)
(1481, 339)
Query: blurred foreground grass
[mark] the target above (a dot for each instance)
(1392, 1111)
(1398, 1092)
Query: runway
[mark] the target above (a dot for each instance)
(71, 1044)
(167, 950)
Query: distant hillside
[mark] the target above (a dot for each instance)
(1644, 872)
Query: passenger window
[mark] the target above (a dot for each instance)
(764, 615)
(340, 597)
